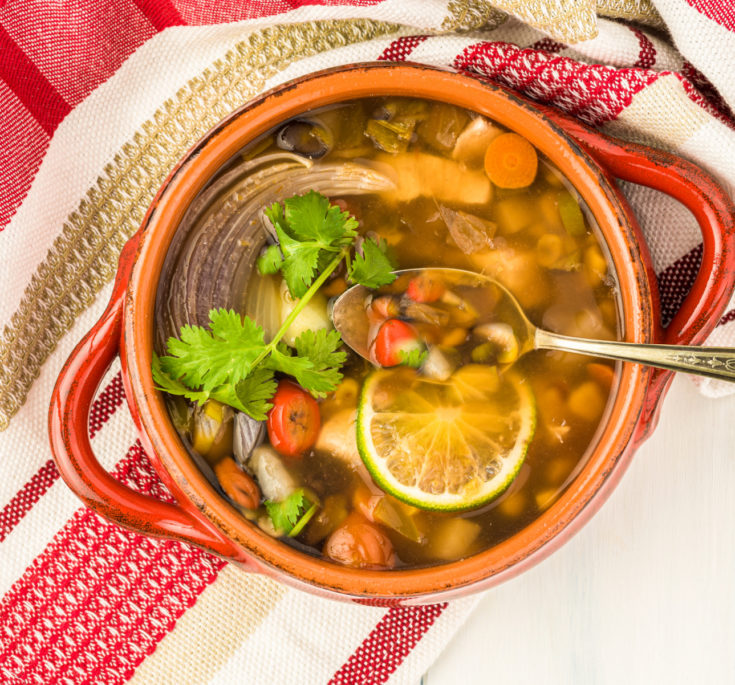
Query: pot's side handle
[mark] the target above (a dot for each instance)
(69, 434)
(703, 196)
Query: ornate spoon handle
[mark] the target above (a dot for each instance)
(714, 362)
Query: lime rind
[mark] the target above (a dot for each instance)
(447, 502)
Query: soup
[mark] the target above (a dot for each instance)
(451, 435)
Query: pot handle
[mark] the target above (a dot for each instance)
(701, 194)
(72, 450)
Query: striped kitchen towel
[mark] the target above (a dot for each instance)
(98, 100)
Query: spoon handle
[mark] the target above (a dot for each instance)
(714, 362)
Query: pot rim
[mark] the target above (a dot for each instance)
(611, 453)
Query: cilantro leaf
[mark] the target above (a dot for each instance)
(224, 354)
(413, 358)
(309, 231)
(310, 217)
(300, 260)
(172, 386)
(285, 514)
(271, 260)
(373, 268)
(317, 361)
(322, 348)
(222, 393)
(254, 392)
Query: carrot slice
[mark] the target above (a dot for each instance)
(511, 161)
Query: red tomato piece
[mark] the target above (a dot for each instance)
(360, 544)
(424, 288)
(395, 338)
(294, 420)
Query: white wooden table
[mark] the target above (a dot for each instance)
(645, 593)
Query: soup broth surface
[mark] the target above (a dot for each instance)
(444, 210)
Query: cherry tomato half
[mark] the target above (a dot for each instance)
(395, 338)
(294, 421)
(360, 544)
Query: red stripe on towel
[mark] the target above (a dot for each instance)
(99, 598)
(399, 50)
(23, 501)
(387, 645)
(31, 87)
(593, 92)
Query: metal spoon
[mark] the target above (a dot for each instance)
(350, 319)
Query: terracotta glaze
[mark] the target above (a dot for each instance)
(590, 160)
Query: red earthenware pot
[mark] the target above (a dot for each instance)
(589, 159)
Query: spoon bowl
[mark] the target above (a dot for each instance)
(349, 315)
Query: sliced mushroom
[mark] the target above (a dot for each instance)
(276, 483)
(438, 365)
(501, 335)
(248, 434)
(305, 137)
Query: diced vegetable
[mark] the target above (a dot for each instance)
(571, 215)
(454, 337)
(452, 538)
(511, 161)
(212, 430)
(513, 214)
(513, 505)
(390, 136)
(479, 376)
(473, 141)
(442, 126)
(238, 485)
(293, 423)
(587, 401)
(556, 252)
(360, 544)
(312, 317)
(395, 340)
(425, 288)
(595, 265)
(338, 437)
(331, 515)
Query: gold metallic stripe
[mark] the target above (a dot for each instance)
(641, 11)
(226, 614)
(83, 257)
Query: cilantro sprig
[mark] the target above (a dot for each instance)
(230, 361)
(292, 514)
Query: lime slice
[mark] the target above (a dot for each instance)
(449, 445)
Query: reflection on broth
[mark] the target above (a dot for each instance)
(456, 409)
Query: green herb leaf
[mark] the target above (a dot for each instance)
(285, 515)
(373, 268)
(271, 260)
(310, 217)
(413, 358)
(319, 379)
(254, 392)
(225, 354)
(309, 231)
